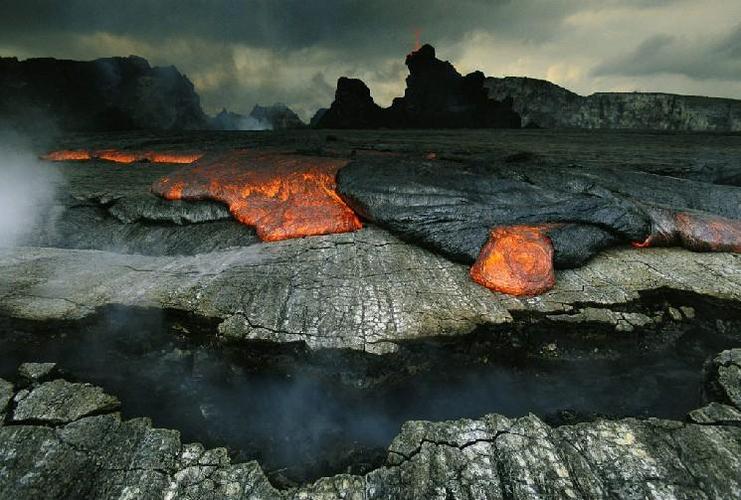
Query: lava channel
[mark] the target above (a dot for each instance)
(122, 156)
(516, 260)
(281, 196)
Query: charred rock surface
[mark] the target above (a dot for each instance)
(437, 96)
(490, 457)
(544, 104)
(119, 93)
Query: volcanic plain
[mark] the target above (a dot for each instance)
(364, 308)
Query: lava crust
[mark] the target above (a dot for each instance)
(452, 208)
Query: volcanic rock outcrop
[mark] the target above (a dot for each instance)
(90, 451)
(279, 116)
(275, 117)
(436, 96)
(117, 93)
(541, 103)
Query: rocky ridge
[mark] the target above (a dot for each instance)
(90, 451)
(436, 96)
(543, 104)
(116, 93)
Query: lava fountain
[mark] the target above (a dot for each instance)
(282, 196)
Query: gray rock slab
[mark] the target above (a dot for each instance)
(366, 290)
(33, 372)
(715, 413)
(6, 394)
(60, 401)
(725, 373)
(491, 457)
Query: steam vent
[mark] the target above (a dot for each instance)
(419, 300)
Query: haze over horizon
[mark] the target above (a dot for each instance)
(242, 53)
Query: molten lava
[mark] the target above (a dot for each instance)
(122, 156)
(282, 196)
(67, 155)
(516, 260)
(694, 231)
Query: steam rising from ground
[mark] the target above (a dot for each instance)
(27, 189)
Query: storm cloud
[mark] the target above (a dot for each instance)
(239, 53)
(705, 57)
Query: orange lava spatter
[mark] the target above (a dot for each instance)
(282, 196)
(122, 156)
(516, 260)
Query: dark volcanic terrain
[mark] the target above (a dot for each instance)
(305, 357)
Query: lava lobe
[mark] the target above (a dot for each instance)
(516, 260)
(282, 196)
(121, 156)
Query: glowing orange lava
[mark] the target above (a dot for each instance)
(122, 156)
(282, 196)
(516, 260)
(694, 231)
(67, 155)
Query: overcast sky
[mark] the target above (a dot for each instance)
(238, 53)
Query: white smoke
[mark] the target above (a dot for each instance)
(27, 189)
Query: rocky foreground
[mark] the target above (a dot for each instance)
(63, 439)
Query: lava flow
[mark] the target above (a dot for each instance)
(516, 260)
(282, 196)
(67, 155)
(122, 156)
(694, 231)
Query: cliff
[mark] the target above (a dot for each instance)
(117, 93)
(543, 104)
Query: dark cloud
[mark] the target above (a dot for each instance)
(288, 24)
(714, 57)
(242, 52)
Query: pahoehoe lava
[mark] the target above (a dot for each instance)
(454, 209)
(283, 196)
